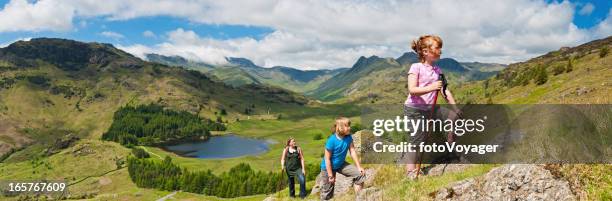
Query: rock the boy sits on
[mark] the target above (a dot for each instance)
(336, 148)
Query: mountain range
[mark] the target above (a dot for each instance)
(330, 85)
(241, 71)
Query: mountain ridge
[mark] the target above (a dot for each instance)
(242, 71)
(370, 77)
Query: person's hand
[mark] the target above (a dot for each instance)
(331, 179)
(437, 85)
(282, 168)
(361, 171)
(304, 172)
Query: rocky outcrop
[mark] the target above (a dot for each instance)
(441, 169)
(343, 184)
(62, 143)
(510, 182)
(370, 194)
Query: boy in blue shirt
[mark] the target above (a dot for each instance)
(336, 148)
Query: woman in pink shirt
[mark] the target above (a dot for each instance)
(423, 86)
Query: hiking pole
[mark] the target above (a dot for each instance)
(433, 108)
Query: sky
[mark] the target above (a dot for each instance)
(312, 34)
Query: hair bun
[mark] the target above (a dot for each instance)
(415, 45)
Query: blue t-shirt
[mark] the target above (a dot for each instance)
(338, 149)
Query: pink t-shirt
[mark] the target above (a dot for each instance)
(425, 76)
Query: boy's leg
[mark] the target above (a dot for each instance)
(291, 185)
(302, 181)
(327, 189)
(351, 171)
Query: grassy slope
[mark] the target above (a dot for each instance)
(589, 71)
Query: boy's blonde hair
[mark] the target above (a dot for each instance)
(341, 121)
(425, 42)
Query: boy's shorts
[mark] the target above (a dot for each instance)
(348, 170)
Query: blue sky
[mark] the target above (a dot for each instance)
(132, 30)
(287, 33)
(598, 14)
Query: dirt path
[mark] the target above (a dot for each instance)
(151, 152)
(167, 196)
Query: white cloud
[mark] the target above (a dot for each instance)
(148, 34)
(321, 34)
(604, 28)
(113, 35)
(20, 15)
(136, 50)
(587, 9)
(276, 49)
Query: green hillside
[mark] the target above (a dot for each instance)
(51, 87)
(579, 74)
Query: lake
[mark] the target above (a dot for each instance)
(224, 146)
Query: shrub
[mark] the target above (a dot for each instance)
(140, 153)
(603, 52)
(570, 66)
(356, 127)
(558, 69)
(541, 76)
(317, 136)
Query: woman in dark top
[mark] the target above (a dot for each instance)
(292, 162)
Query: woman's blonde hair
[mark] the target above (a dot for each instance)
(425, 42)
(341, 121)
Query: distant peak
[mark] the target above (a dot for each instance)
(70, 54)
(362, 61)
(155, 57)
(242, 62)
(408, 58)
(408, 54)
